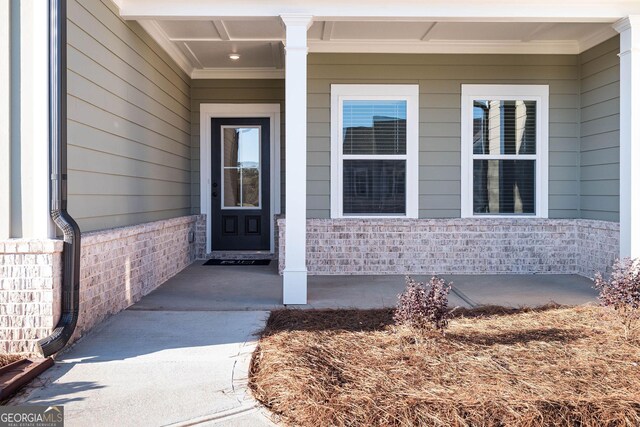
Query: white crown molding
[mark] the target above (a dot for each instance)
(156, 32)
(622, 25)
(237, 73)
(532, 10)
(119, 4)
(627, 23)
(596, 38)
(473, 19)
(568, 47)
(233, 39)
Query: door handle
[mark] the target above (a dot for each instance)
(214, 194)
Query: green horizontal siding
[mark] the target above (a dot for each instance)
(129, 153)
(440, 78)
(600, 132)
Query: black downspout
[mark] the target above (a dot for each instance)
(58, 166)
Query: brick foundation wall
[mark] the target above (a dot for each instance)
(456, 246)
(117, 268)
(30, 278)
(599, 246)
(121, 265)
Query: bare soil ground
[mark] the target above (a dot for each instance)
(560, 366)
(5, 358)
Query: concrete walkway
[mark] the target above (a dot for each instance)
(152, 368)
(180, 356)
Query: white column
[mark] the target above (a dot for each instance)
(5, 121)
(294, 283)
(629, 29)
(34, 119)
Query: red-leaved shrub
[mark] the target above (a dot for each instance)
(621, 291)
(424, 305)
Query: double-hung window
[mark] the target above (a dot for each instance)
(504, 150)
(374, 151)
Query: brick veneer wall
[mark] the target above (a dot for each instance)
(456, 246)
(121, 265)
(30, 276)
(599, 246)
(117, 268)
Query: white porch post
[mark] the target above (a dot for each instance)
(629, 29)
(294, 283)
(24, 120)
(5, 121)
(34, 119)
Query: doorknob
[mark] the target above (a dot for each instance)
(214, 194)
(215, 185)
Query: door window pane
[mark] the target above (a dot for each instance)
(250, 187)
(241, 166)
(374, 187)
(504, 186)
(231, 188)
(241, 146)
(504, 127)
(374, 127)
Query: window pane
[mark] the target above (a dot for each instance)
(241, 163)
(374, 127)
(241, 147)
(504, 127)
(504, 186)
(231, 188)
(374, 187)
(250, 187)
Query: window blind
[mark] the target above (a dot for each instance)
(374, 127)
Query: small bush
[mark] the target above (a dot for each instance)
(424, 306)
(622, 292)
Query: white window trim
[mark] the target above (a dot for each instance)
(408, 93)
(209, 111)
(538, 93)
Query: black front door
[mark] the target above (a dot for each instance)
(240, 184)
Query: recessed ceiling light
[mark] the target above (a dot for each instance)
(234, 56)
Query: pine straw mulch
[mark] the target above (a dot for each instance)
(552, 365)
(6, 358)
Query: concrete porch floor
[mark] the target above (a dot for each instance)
(232, 288)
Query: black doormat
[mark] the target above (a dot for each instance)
(216, 261)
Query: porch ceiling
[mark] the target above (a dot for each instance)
(202, 47)
(200, 34)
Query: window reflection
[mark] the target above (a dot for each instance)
(374, 186)
(504, 186)
(504, 182)
(504, 127)
(241, 164)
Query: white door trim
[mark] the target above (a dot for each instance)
(210, 111)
